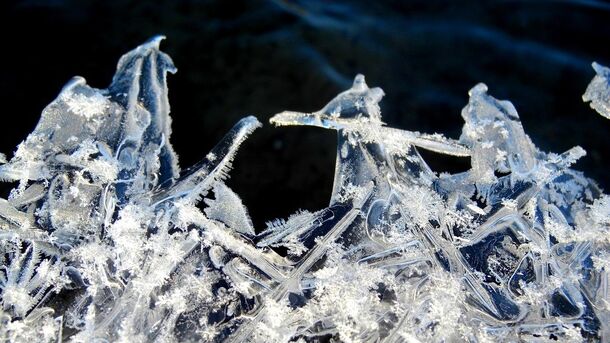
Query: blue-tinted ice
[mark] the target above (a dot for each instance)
(104, 238)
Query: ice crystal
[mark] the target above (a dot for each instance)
(105, 239)
(598, 91)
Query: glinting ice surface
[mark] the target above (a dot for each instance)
(104, 238)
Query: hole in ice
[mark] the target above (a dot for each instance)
(440, 163)
(500, 174)
(281, 170)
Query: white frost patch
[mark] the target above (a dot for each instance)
(86, 106)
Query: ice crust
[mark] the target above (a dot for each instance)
(104, 238)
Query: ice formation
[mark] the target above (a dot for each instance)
(105, 239)
(598, 91)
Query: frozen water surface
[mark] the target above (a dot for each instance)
(104, 238)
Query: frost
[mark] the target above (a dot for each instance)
(228, 209)
(598, 91)
(104, 238)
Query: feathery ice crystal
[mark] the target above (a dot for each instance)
(105, 239)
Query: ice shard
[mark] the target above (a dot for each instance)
(598, 91)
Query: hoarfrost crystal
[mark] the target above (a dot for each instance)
(105, 239)
(598, 91)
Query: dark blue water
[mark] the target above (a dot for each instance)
(260, 57)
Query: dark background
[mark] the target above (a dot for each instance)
(260, 57)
